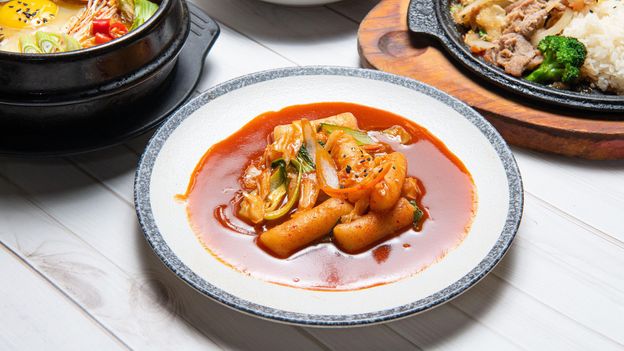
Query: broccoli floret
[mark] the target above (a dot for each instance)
(563, 58)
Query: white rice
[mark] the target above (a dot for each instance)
(601, 29)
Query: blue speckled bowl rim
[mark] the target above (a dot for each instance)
(171, 260)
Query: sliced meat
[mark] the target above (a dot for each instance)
(515, 54)
(526, 16)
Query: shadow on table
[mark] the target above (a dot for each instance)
(235, 330)
(65, 177)
(601, 165)
(267, 22)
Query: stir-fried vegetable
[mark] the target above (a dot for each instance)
(563, 57)
(418, 213)
(279, 184)
(554, 29)
(309, 192)
(293, 197)
(491, 20)
(143, 10)
(252, 207)
(399, 132)
(278, 187)
(305, 160)
(360, 137)
(309, 138)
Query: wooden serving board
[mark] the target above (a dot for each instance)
(386, 44)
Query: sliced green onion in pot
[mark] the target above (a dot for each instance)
(48, 42)
(28, 45)
(71, 43)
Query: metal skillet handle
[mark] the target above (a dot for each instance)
(422, 18)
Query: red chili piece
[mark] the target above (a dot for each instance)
(101, 26)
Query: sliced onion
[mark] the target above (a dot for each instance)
(555, 29)
(477, 44)
(309, 138)
(463, 16)
(293, 198)
(326, 170)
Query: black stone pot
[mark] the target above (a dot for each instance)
(433, 17)
(47, 93)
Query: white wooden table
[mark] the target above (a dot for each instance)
(76, 273)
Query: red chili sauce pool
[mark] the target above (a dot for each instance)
(449, 200)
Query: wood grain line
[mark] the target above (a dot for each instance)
(597, 232)
(546, 306)
(259, 43)
(26, 196)
(86, 313)
(97, 180)
(306, 334)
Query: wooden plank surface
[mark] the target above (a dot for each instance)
(71, 243)
(32, 308)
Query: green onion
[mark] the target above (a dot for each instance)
(360, 137)
(456, 7)
(71, 43)
(292, 198)
(278, 189)
(48, 42)
(305, 160)
(277, 163)
(418, 213)
(279, 184)
(143, 10)
(279, 176)
(28, 45)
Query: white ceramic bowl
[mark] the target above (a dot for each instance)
(179, 144)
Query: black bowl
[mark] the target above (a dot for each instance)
(43, 89)
(433, 17)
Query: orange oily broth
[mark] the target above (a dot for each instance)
(449, 199)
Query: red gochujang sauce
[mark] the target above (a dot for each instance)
(449, 201)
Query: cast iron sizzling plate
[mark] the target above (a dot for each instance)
(433, 17)
(98, 132)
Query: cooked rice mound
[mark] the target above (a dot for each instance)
(601, 29)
